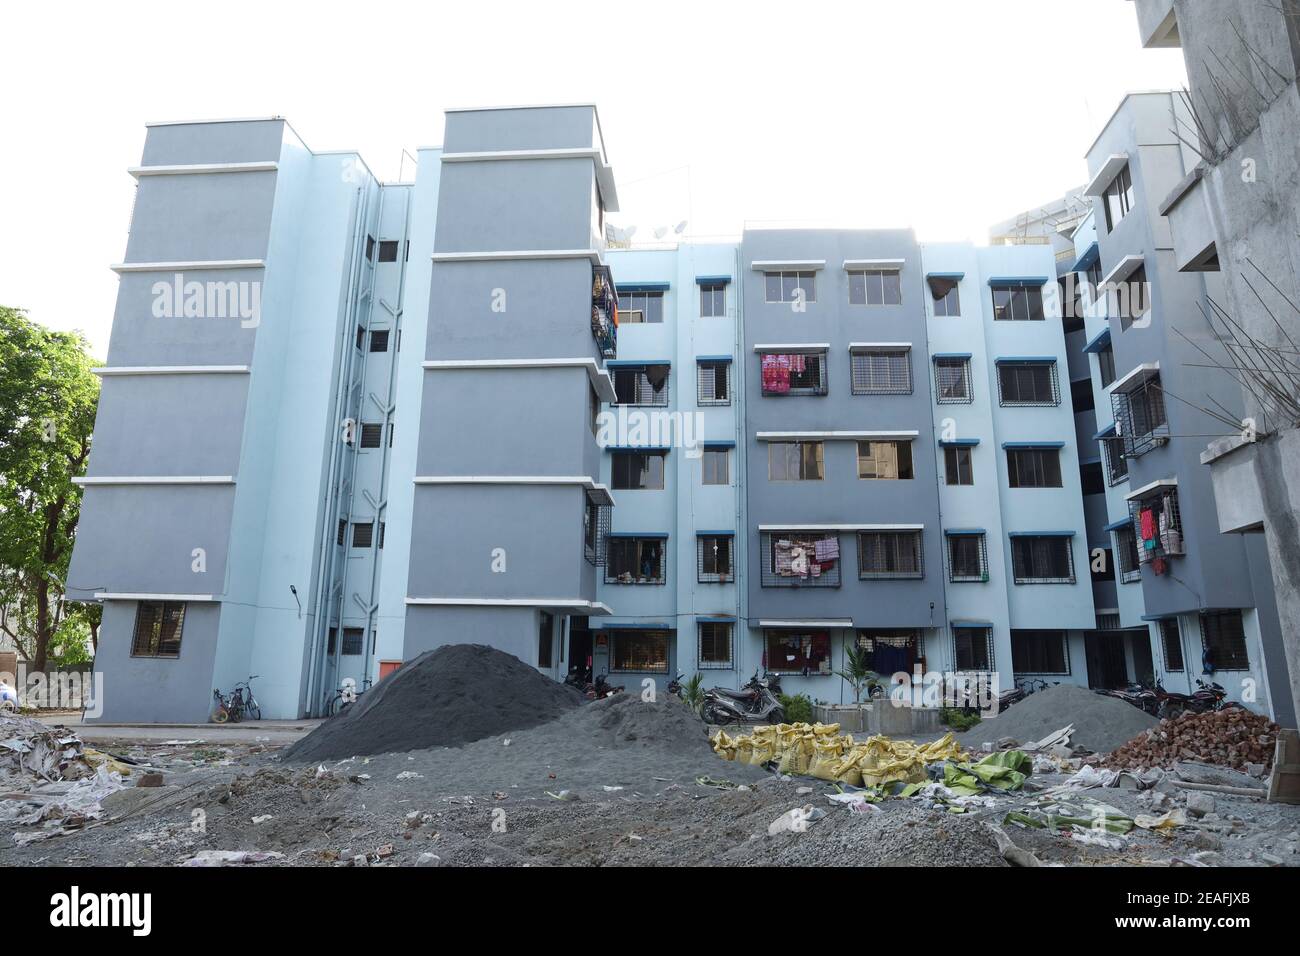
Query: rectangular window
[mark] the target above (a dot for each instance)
(1042, 559)
(1081, 395)
(952, 381)
(1028, 383)
(882, 371)
(343, 530)
(370, 248)
(545, 638)
(972, 648)
(1171, 642)
(889, 555)
(363, 534)
(715, 466)
(372, 434)
(793, 652)
(948, 305)
(635, 561)
(885, 459)
(795, 461)
(1116, 461)
(789, 287)
(637, 308)
(158, 626)
(379, 340)
(1126, 555)
(1106, 365)
(353, 641)
(1223, 641)
(957, 465)
(637, 471)
(1038, 651)
(795, 559)
(713, 300)
(1140, 416)
(388, 250)
(1090, 480)
(715, 646)
(714, 553)
(1157, 521)
(794, 373)
(641, 385)
(595, 529)
(713, 383)
(638, 651)
(968, 559)
(361, 338)
(875, 287)
(1034, 467)
(1132, 298)
(1017, 303)
(1119, 198)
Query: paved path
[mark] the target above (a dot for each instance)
(277, 732)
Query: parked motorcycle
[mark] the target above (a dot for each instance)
(1144, 698)
(759, 701)
(1208, 696)
(675, 686)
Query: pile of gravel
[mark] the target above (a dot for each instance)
(446, 697)
(627, 720)
(1101, 723)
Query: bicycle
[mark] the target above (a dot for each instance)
(240, 704)
(346, 696)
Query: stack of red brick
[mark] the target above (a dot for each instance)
(1229, 738)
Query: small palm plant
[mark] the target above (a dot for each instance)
(858, 673)
(693, 692)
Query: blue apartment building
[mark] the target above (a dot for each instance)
(461, 417)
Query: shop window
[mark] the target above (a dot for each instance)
(642, 652)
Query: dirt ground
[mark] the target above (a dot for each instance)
(613, 783)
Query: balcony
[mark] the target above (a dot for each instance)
(1157, 523)
(796, 559)
(604, 311)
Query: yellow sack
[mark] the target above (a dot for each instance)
(744, 750)
(827, 756)
(798, 755)
(761, 754)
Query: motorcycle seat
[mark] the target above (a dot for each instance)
(736, 694)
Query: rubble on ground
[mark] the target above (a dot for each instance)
(1232, 737)
(1101, 723)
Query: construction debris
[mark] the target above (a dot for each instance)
(1096, 722)
(1231, 738)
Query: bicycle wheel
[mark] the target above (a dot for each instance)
(220, 715)
(254, 709)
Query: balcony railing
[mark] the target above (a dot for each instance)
(604, 311)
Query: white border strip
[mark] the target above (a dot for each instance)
(776, 622)
(857, 346)
(591, 254)
(835, 436)
(202, 169)
(874, 265)
(172, 370)
(577, 480)
(1158, 483)
(209, 265)
(134, 596)
(156, 480)
(788, 348)
(788, 265)
(595, 607)
(1145, 372)
(785, 528)
(600, 378)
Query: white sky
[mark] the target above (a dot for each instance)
(945, 115)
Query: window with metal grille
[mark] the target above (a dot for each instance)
(713, 552)
(363, 534)
(793, 373)
(794, 559)
(595, 529)
(343, 530)
(158, 627)
(1140, 418)
(1017, 303)
(372, 434)
(353, 641)
(789, 287)
(641, 385)
(642, 652)
(1171, 642)
(1112, 449)
(1223, 642)
(636, 308)
(968, 558)
(715, 466)
(1158, 524)
(889, 555)
(714, 646)
(957, 465)
(1106, 365)
(713, 300)
(794, 652)
(714, 383)
(1034, 467)
(388, 250)
(1039, 651)
(875, 287)
(947, 305)
(885, 459)
(1042, 559)
(795, 461)
(635, 560)
(1119, 198)
(637, 470)
(1126, 555)
(379, 340)
(1132, 298)
(879, 371)
(972, 648)
(952, 381)
(1028, 383)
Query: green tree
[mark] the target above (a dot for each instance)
(48, 395)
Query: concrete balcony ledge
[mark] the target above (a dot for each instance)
(1157, 24)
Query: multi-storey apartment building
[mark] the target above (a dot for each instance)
(815, 439)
